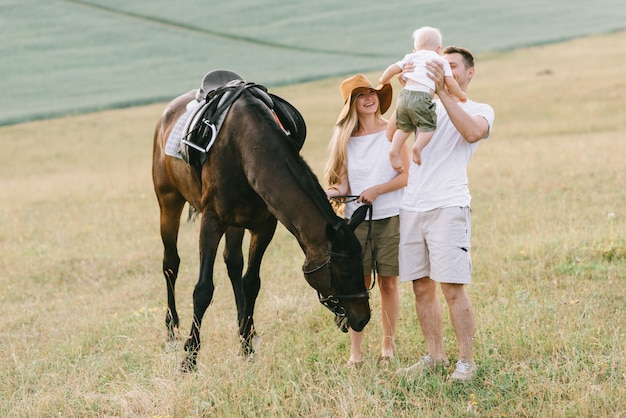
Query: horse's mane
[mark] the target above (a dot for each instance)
(304, 175)
(310, 183)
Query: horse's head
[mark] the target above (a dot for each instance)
(339, 281)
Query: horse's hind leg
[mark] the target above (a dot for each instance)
(171, 205)
(233, 257)
(260, 238)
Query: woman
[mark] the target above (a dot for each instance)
(359, 165)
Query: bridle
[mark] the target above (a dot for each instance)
(332, 301)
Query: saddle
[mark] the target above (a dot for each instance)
(218, 91)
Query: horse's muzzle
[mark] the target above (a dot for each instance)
(359, 325)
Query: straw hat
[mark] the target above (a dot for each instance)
(384, 92)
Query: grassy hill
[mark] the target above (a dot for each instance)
(76, 56)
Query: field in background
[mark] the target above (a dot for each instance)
(83, 299)
(76, 56)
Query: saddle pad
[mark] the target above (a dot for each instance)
(172, 146)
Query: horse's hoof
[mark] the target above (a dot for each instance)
(189, 365)
(173, 333)
(246, 351)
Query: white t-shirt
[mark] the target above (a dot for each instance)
(368, 164)
(441, 180)
(420, 73)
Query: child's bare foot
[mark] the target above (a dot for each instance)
(396, 161)
(417, 156)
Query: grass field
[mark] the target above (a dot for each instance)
(83, 299)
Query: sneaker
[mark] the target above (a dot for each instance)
(464, 371)
(425, 363)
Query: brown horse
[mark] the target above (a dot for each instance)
(252, 176)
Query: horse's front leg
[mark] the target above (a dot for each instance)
(233, 257)
(260, 238)
(211, 232)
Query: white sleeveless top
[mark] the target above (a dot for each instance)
(368, 165)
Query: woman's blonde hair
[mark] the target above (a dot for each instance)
(337, 148)
(338, 145)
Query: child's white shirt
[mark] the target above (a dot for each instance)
(420, 72)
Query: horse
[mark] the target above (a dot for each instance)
(252, 177)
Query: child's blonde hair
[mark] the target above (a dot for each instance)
(427, 38)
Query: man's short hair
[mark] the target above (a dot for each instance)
(466, 53)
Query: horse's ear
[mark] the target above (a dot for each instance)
(359, 216)
(331, 233)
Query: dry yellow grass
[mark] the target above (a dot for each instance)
(83, 299)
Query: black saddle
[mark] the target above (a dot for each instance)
(218, 91)
(214, 80)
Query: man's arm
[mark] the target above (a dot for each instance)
(471, 128)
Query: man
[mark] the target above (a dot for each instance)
(435, 224)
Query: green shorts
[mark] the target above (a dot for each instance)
(415, 110)
(385, 240)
